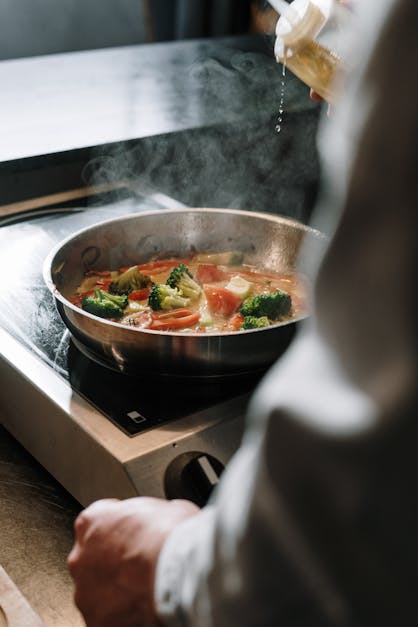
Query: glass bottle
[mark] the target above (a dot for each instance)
(309, 44)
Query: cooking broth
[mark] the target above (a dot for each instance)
(204, 293)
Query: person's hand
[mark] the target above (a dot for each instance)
(114, 558)
(316, 97)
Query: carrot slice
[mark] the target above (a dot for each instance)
(180, 312)
(175, 319)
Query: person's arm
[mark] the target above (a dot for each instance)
(248, 559)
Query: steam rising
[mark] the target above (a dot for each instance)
(229, 156)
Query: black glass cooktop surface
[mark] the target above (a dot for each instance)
(28, 313)
(27, 309)
(140, 402)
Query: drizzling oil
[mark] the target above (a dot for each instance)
(278, 126)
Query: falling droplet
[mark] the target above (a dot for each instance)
(278, 126)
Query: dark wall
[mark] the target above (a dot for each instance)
(184, 19)
(37, 27)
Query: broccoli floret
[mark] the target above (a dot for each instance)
(131, 279)
(182, 279)
(166, 297)
(273, 305)
(252, 322)
(104, 305)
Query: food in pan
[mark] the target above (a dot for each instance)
(204, 293)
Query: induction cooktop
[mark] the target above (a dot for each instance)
(98, 431)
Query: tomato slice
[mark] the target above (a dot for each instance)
(235, 322)
(175, 319)
(139, 294)
(220, 300)
(209, 273)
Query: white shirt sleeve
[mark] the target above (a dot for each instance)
(226, 565)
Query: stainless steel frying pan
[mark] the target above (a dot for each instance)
(268, 241)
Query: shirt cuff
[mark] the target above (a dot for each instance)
(176, 567)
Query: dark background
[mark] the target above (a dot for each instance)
(36, 27)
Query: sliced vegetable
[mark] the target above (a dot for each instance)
(235, 322)
(140, 294)
(239, 286)
(220, 300)
(176, 319)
